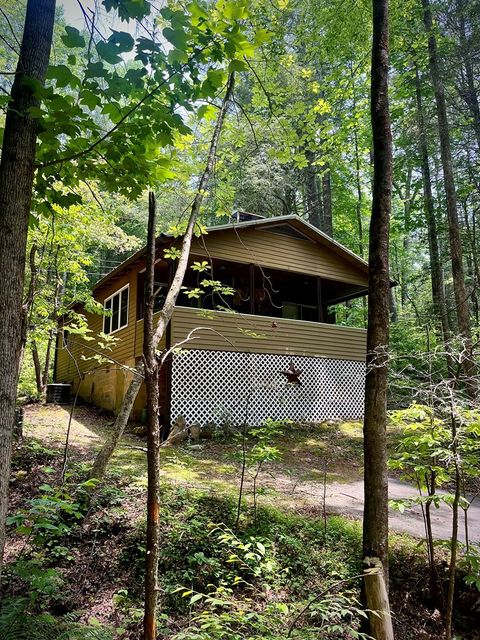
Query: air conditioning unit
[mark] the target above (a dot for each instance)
(58, 393)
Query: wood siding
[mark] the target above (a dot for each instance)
(255, 334)
(122, 351)
(277, 251)
(105, 384)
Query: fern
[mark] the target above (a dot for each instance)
(15, 624)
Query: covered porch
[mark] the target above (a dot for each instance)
(255, 291)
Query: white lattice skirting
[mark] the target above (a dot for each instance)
(219, 385)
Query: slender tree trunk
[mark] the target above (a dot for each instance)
(452, 569)
(100, 464)
(327, 226)
(27, 306)
(358, 208)
(375, 518)
(470, 94)
(38, 368)
(16, 184)
(458, 276)
(52, 334)
(48, 356)
(153, 434)
(313, 200)
(436, 271)
(393, 306)
(358, 181)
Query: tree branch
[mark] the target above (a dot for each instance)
(147, 96)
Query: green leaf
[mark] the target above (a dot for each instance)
(122, 40)
(237, 65)
(128, 9)
(63, 76)
(73, 39)
(196, 598)
(207, 111)
(89, 99)
(235, 10)
(175, 55)
(108, 52)
(177, 37)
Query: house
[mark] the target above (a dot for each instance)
(264, 347)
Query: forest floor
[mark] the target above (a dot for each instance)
(318, 463)
(78, 574)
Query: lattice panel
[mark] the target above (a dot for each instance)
(222, 385)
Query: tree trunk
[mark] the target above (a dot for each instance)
(436, 271)
(153, 434)
(327, 225)
(16, 184)
(459, 288)
(470, 94)
(452, 568)
(48, 355)
(313, 201)
(375, 518)
(100, 464)
(38, 368)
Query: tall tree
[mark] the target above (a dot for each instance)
(375, 517)
(151, 368)
(456, 253)
(436, 271)
(16, 183)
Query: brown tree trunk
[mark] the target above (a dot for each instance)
(359, 196)
(436, 271)
(16, 184)
(313, 200)
(327, 225)
(38, 368)
(458, 276)
(375, 518)
(48, 357)
(153, 434)
(101, 461)
(470, 94)
(452, 568)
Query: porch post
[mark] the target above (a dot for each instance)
(320, 305)
(252, 289)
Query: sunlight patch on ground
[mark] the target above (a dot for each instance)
(50, 423)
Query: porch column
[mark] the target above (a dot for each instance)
(321, 308)
(252, 289)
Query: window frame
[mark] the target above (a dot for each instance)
(110, 298)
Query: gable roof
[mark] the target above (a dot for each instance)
(298, 225)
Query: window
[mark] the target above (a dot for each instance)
(117, 306)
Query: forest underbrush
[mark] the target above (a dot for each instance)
(76, 556)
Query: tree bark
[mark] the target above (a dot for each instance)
(375, 518)
(470, 94)
(153, 434)
(38, 368)
(100, 464)
(436, 271)
(16, 184)
(313, 201)
(327, 225)
(458, 276)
